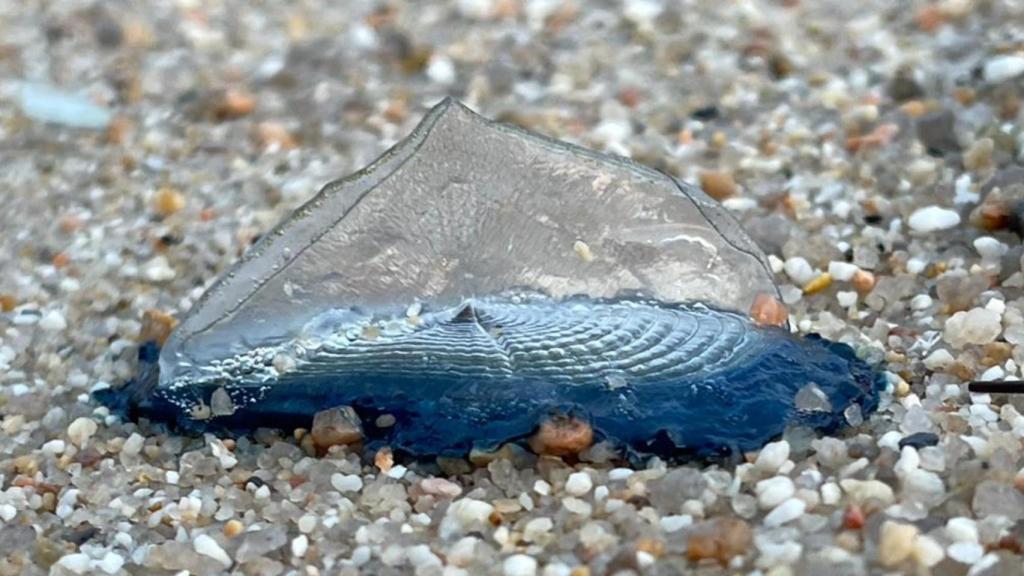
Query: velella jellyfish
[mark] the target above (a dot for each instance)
(480, 284)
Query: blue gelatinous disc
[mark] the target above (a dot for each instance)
(477, 279)
(676, 379)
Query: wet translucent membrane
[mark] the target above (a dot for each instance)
(477, 279)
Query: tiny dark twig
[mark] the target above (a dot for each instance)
(997, 387)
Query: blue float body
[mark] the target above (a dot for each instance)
(736, 403)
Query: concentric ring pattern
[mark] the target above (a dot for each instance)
(650, 377)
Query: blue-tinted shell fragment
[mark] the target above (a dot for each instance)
(478, 279)
(672, 379)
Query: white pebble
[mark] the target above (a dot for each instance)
(830, 494)
(846, 298)
(519, 565)
(53, 321)
(53, 447)
(927, 551)
(916, 265)
(81, 430)
(346, 482)
(842, 271)
(299, 545)
(536, 528)
(619, 473)
(933, 218)
(441, 70)
(7, 512)
(989, 248)
(861, 491)
(799, 270)
(307, 523)
(772, 456)
(993, 373)
(962, 529)
(578, 484)
(75, 563)
(111, 563)
(1003, 67)
(920, 302)
(965, 552)
(939, 360)
(786, 512)
(976, 326)
(465, 515)
(674, 523)
(774, 491)
(158, 270)
(207, 546)
(542, 487)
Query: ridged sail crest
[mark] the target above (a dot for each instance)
(467, 208)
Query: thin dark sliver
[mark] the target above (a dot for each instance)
(1004, 387)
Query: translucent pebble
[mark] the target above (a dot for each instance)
(207, 546)
(772, 456)
(774, 491)
(465, 515)
(976, 326)
(811, 398)
(932, 219)
(519, 565)
(81, 430)
(578, 484)
(346, 482)
(259, 543)
(965, 552)
(853, 415)
(785, 512)
(45, 103)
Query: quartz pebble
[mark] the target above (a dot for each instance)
(578, 484)
(207, 546)
(1004, 67)
(519, 565)
(465, 515)
(976, 326)
(81, 430)
(787, 511)
(772, 456)
(773, 491)
(932, 219)
(896, 542)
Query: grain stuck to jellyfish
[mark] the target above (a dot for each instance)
(428, 303)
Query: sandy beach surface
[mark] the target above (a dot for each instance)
(874, 149)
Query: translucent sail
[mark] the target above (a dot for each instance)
(467, 208)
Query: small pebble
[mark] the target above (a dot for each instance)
(896, 542)
(786, 512)
(578, 484)
(207, 546)
(772, 456)
(1004, 67)
(933, 219)
(718, 185)
(81, 430)
(519, 565)
(53, 321)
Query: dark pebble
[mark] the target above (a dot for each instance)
(920, 440)
(937, 131)
(80, 534)
(705, 113)
(903, 87)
